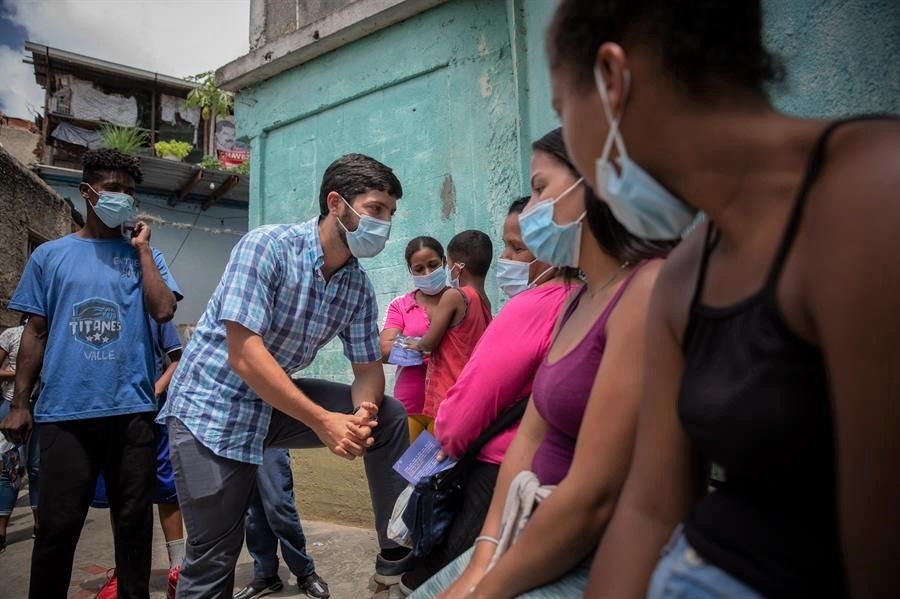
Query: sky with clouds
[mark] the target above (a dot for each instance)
(172, 37)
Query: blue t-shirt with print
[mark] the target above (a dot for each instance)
(99, 358)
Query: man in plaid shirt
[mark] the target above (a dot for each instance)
(286, 292)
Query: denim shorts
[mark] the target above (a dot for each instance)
(682, 574)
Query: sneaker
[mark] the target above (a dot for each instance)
(110, 589)
(389, 572)
(314, 586)
(406, 585)
(259, 587)
(172, 585)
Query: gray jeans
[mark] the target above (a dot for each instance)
(214, 492)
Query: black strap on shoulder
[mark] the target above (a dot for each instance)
(813, 170)
(506, 419)
(709, 243)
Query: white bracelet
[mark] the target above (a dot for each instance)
(487, 538)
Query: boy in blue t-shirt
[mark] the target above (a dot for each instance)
(89, 295)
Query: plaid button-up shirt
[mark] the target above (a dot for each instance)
(273, 286)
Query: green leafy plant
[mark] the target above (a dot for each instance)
(242, 169)
(211, 163)
(211, 101)
(173, 147)
(127, 140)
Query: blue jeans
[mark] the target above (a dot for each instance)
(683, 574)
(30, 456)
(272, 517)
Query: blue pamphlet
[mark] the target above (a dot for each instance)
(420, 459)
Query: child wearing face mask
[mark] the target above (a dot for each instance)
(459, 319)
(409, 316)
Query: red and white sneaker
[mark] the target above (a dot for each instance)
(110, 589)
(174, 573)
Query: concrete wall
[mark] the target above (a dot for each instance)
(199, 264)
(842, 56)
(29, 211)
(19, 142)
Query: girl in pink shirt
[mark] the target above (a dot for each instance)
(409, 315)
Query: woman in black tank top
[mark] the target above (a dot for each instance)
(774, 333)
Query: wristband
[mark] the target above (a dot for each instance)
(487, 538)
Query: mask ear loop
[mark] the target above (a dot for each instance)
(538, 278)
(614, 134)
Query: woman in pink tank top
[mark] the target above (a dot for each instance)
(578, 430)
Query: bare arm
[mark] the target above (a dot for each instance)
(387, 343)
(249, 358)
(368, 384)
(662, 482)
(853, 301)
(17, 423)
(570, 522)
(6, 373)
(158, 298)
(449, 311)
(162, 383)
(518, 458)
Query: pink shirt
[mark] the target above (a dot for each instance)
(500, 371)
(405, 314)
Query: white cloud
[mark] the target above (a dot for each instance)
(172, 37)
(20, 96)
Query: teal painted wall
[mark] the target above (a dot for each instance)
(458, 93)
(842, 56)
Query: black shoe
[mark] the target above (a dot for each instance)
(314, 586)
(259, 587)
(388, 572)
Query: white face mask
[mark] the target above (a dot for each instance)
(370, 235)
(454, 281)
(432, 283)
(513, 276)
(643, 206)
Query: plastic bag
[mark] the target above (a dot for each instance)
(397, 530)
(401, 355)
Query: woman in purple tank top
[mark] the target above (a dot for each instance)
(578, 430)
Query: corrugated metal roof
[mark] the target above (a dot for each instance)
(41, 54)
(170, 177)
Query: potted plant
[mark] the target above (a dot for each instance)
(128, 140)
(173, 149)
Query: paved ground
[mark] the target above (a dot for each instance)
(344, 555)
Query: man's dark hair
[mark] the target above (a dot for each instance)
(417, 243)
(96, 162)
(614, 239)
(518, 205)
(702, 43)
(474, 249)
(353, 174)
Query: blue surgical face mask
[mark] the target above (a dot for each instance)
(432, 283)
(113, 208)
(513, 277)
(454, 281)
(370, 235)
(637, 200)
(557, 245)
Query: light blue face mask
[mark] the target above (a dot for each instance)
(432, 283)
(370, 235)
(637, 200)
(557, 245)
(113, 208)
(454, 281)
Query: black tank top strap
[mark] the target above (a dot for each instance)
(813, 170)
(710, 241)
(570, 309)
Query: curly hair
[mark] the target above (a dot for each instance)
(96, 162)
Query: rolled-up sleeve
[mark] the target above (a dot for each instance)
(360, 337)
